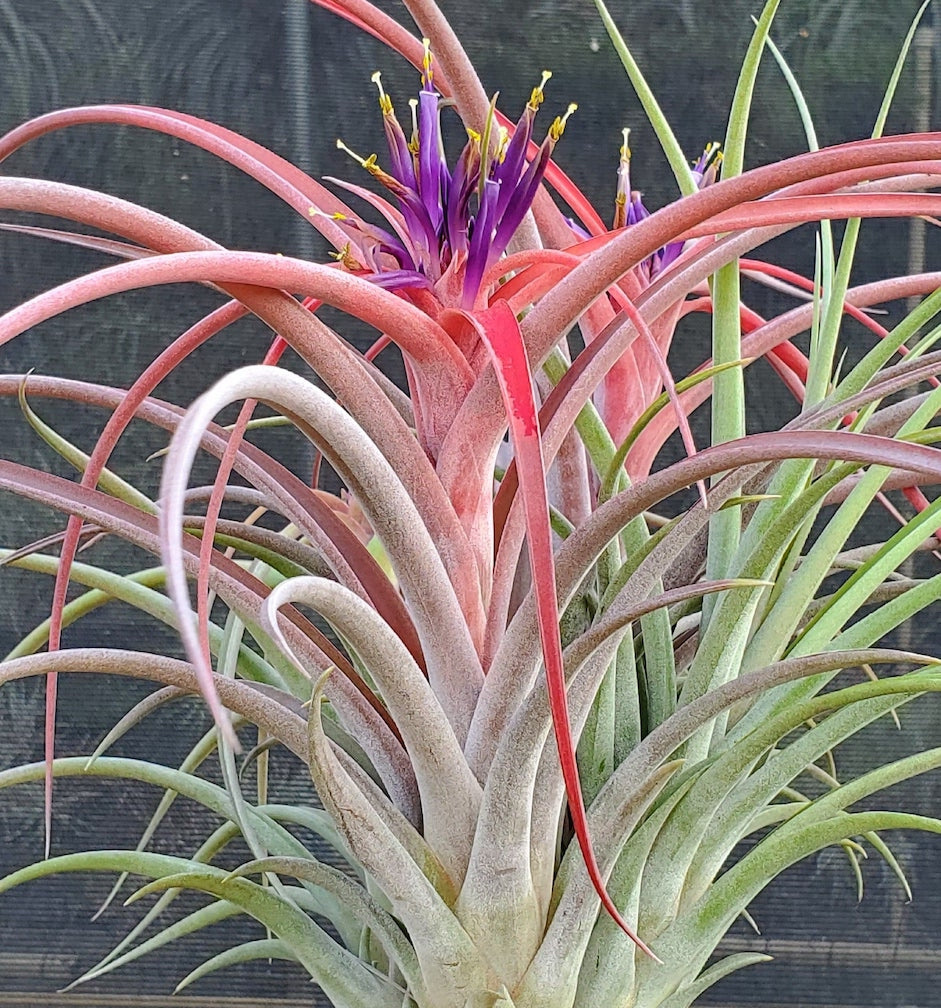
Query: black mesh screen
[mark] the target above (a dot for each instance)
(294, 78)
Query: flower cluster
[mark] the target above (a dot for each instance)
(630, 209)
(451, 225)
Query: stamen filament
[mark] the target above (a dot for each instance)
(413, 143)
(538, 94)
(558, 126)
(369, 163)
(385, 102)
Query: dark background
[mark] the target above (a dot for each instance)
(294, 78)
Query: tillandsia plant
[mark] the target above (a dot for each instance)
(541, 702)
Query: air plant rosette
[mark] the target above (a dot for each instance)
(542, 704)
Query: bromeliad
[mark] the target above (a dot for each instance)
(438, 718)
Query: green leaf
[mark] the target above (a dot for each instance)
(204, 917)
(367, 911)
(728, 423)
(108, 481)
(685, 996)
(661, 126)
(265, 948)
(344, 978)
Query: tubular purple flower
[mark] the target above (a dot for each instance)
(705, 171)
(521, 197)
(430, 160)
(370, 241)
(433, 175)
(518, 201)
(399, 279)
(463, 185)
(629, 205)
(449, 227)
(480, 240)
(513, 162)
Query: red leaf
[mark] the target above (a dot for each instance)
(500, 331)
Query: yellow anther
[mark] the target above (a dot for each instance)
(385, 102)
(413, 143)
(625, 149)
(558, 126)
(426, 63)
(338, 216)
(368, 163)
(537, 96)
(345, 258)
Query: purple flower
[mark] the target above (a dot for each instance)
(449, 226)
(629, 207)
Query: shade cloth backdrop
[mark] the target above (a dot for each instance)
(294, 78)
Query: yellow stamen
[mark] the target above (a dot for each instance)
(345, 258)
(368, 163)
(317, 212)
(486, 144)
(413, 143)
(537, 96)
(503, 140)
(385, 102)
(426, 63)
(558, 126)
(624, 177)
(711, 157)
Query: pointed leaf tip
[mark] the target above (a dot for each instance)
(499, 330)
